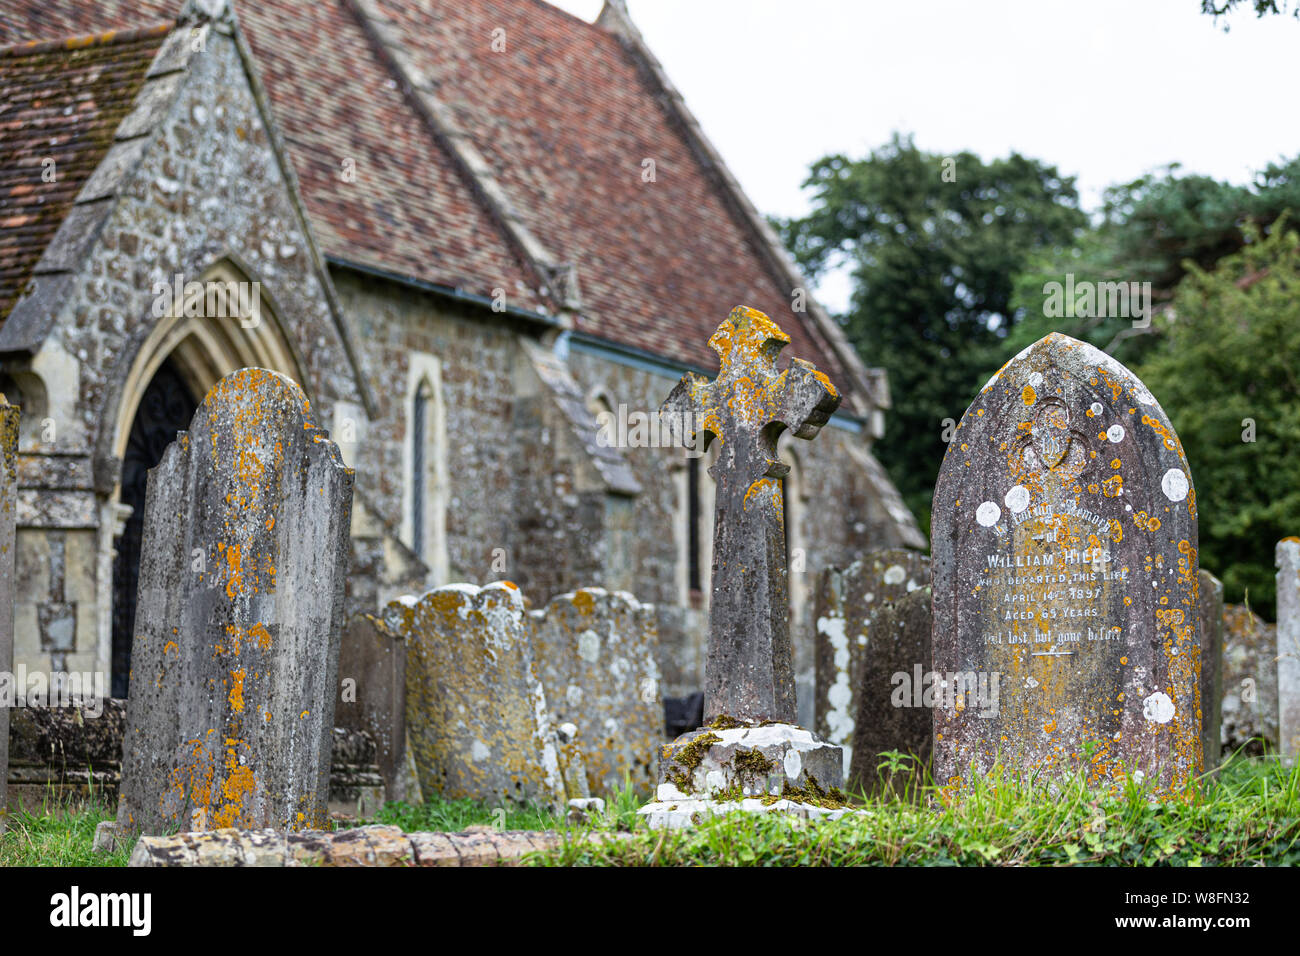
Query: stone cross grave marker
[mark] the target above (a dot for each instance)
(1288, 649)
(1064, 559)
(749, 670)
(9, 415)
(750, 756)
(235, 659)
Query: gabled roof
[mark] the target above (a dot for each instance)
(520, 169)
(60, 105)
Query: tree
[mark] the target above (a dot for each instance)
(1262, 8)
(1227, 377)
(935, 243)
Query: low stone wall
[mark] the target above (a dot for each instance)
(61, 755)
(364, 846)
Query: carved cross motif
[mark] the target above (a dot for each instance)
(1052, 444)
(749, 671)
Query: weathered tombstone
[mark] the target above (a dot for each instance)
(235, 658)
(9, 415)
(1211, 611)
(1249, 711)
(372, 698)
(892, 716)
(594, 652)
(847, 660)
(1065, 575)
(476, 712)
(750, 755)
(1288, 650)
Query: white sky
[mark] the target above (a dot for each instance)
(1104, 89)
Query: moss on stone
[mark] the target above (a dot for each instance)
(753, 762)
(813, 794)
(688, 757)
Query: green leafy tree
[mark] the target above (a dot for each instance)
(1227, 376)
(1262, 8)
(934, 244)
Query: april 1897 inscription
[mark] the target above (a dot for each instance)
(1064, 549)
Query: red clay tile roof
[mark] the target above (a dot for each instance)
(59, 101)
(564, 118)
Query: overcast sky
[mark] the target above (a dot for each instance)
(1104, 89)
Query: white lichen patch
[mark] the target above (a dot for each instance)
(1158, 707)
(987, 514)
(1174, 484)
(1017, 499)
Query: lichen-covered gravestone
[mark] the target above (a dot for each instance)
(372, 698)
(594, 652)
(1249, 711)
(1064, 556)
(1211, 608)
(235, 657)
(1288, 650)
(847, 658)
(891, 715)
(8, 499)
(476, 712)
(750, 756)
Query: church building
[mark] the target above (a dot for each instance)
(472, 230)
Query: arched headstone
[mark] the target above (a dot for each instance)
(1065, 578)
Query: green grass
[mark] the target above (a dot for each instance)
(1248, 814)
(57, 837)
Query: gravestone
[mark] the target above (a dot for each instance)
(891, 715)
(1063, 541)
(235, 657)
(1249, 710)
(749, 755)
(595, 656)
(1288, 650)
(749, 669)
(9, 415)
(372, 678)
(847, 660)
(476, 712)
(1211, 610)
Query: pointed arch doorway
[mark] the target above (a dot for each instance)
(182, 358)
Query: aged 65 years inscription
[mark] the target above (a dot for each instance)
(1064, 549)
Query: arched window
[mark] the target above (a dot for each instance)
(425, 484)
(419, 446)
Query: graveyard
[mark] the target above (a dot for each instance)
(502, 529)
